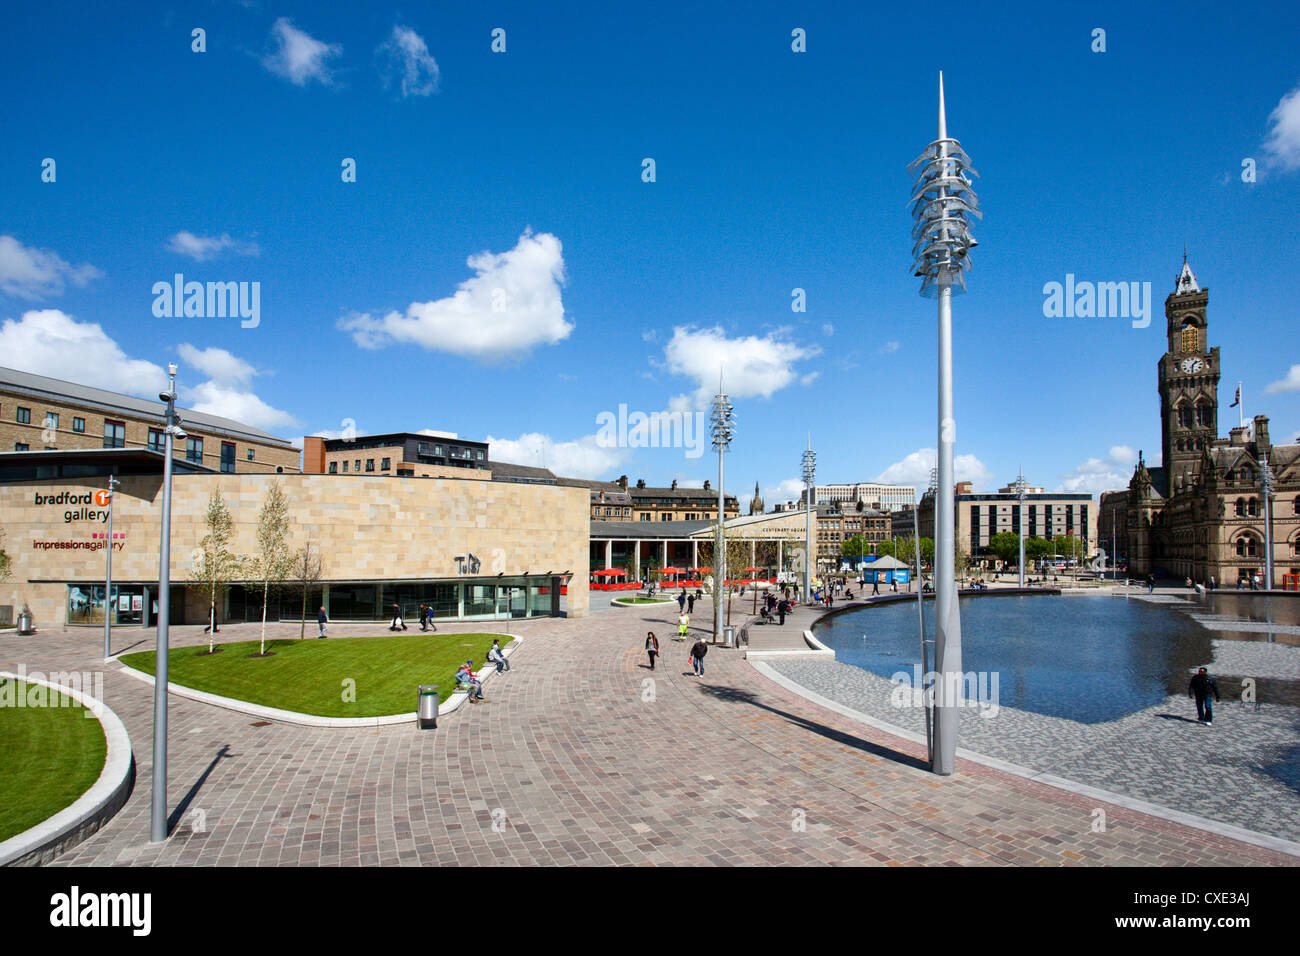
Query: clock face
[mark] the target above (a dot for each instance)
(1192, 365)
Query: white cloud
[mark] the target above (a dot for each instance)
(41, 341)
(408, 63)
(915, 470)
(828, 329)
(1282, 146)
(649, 335)
(230, 401)
(582, 458)
(1290, 383)
(1096, 475)
(750, 365)
(889, 348)
(791, 489)
(298, 56)
(203, 248)
(510, 305)
(809, 378)
(30, 273)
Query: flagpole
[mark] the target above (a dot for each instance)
(1241, 409)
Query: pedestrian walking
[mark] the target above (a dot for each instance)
(1151, 583)
(698, 650)
(1211, 582)
(681, 601)
(322, 622)
(1201, 687)
(651, 647)
(781, 609)
(683, 621)
(690, 604)
(875, 588)
(424, 617)
(398, 624)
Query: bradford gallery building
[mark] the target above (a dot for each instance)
(472, 549)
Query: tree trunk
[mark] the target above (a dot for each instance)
(302, 625)
(266, 590)
(212, 614)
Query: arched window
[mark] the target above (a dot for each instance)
(1252, 507)
(1241, 507)
(1204, 416)
(1297, 504)
(1295, 546)
(1191, 338)
(1247, 475)
(1247, 547)
(1184, 417)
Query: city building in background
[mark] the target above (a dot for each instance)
(872, 495)
(1047, 515)
(616, 501)
(1200, 513)
(47, 414)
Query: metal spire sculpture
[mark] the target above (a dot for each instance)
(943, 204)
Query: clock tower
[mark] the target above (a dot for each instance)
(1188, 383)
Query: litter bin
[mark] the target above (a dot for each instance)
(25, 623)
(426, 713)
(729, 635)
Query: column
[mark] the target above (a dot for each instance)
(609, 553)
(779, 566)
(695, 552)
(636, 560)
(753, 552)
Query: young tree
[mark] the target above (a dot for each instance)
(855, 547)
(273, 562)
(6, 562)
(1006, 545)
(215, 565)
(308, 569)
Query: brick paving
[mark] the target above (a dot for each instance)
(578, 759)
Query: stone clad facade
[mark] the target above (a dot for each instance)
(370, 530)
(1201, 513)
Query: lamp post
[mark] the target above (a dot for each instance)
(108, 569)
(722, 427)
(1020, 495)
(1266, 487)
(943, 203)
(158, 808)
(809, 473)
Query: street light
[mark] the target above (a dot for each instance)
(943, 204)
(1020, 494)
(722, 427)
(809, 474)
(1266, 487)
(108, 569)
(158, 808)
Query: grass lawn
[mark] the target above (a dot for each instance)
(310, 676)
(49, 756)
(641, 600)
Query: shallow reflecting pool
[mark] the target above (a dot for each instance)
(1083, 658)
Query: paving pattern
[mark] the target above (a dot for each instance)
(1241, 771)
(583, 756)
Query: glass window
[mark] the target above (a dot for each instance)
(480, 599)
(345, 467)
(78, 424)
(51, 420)
(155, 439)
(194, 449)
(24, 416)
(334, 468)
(370, 464)
(114, 434)
(357, 465)
(227, 457)
(480, 456)
(250, 454)
(20, 446)
(386, 464)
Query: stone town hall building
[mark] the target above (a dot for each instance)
(1201, 513)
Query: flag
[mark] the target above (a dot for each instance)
(1237, 400)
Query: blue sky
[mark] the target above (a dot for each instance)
(774, 170)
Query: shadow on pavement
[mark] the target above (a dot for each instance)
(736, 696)
(179, 813)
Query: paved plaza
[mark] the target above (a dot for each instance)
(583, 756)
